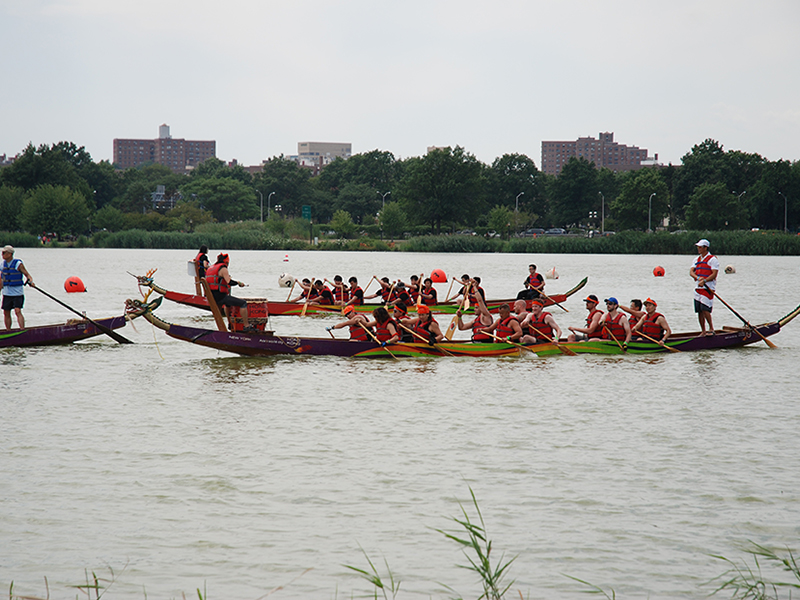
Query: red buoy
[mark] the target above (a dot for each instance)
(74, 284)
(438, 276)
(659, 271)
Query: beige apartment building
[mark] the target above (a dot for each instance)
(603, 152)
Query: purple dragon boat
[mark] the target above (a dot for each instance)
(65, 333)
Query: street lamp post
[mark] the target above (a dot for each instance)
(650, 212)
(262, 205)
(383, 198)
(602, 213)
(785, 213)
(268, 204)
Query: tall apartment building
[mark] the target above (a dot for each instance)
(178, 154)
(603, 152)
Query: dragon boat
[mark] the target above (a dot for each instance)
(72, 330)
(268, 343)
(295, 308)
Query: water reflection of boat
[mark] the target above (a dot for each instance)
(294, 308)
(268, 343)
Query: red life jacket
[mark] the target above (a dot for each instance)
(504, 328)
(703, 269)
(535, 280)
(615, 327)
(520, 318)
(433, 301)
(597, 333)
(215, 282)
(387, 294)
(359, 297)
(650, 327)
(199, 266)
(477, 331)
(632, 321)
(340, 294)
(357, 332)
(544, 328)
(423, 330)
(382, 330)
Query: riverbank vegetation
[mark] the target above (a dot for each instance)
(58, 192)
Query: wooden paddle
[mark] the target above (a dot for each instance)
(714, 293)
(415, 334)
(294, 283)
(450, 289)
(505, 341)
(451, 328)
(377, 341)
(419, 289)
(647, 337)
(564, 349)
(308, 299)
(541, 293)
(109, 332)
(368, 284)
(605, 326)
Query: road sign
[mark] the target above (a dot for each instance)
(307, 212)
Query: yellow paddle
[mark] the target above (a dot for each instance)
(415, 334)
(372, 335)
(564, 349)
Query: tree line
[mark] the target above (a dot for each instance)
(59, 189)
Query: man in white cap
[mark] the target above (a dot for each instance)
(704, 271)
(13, 295)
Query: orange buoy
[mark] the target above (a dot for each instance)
(74, 284)
(438, 276)
(659, 271)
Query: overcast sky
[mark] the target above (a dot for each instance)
(493, 76)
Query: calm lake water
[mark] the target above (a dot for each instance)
(198, 468)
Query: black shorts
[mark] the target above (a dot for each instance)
(700, 307)
(228, 300)
(12, 302)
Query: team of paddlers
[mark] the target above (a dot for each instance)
(514, 324)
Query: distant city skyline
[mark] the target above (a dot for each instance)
(493, 78)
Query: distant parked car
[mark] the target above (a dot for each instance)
(465, 232)
(555, 231)
(532, 232)
(677, 231)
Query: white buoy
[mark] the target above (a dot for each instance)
(730, 269)
(285, 280)
(551, 274)
(286, 258)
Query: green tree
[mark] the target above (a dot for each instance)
(574, 193)
(360, 200)
(109, 218)
(56, 209)
(764, 198)
(342, 224)
(214, 167)
(226, 198)
(137, 185)
(511, 175)
(11, 199)
(291, 184)
(632, 208)
(188, 215)
(393, 220)
(444, 185)
(55, 165)
(712, 207)
(501, 219)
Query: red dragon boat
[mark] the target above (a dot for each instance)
(295, 308)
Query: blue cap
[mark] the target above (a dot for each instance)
(612, 300)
